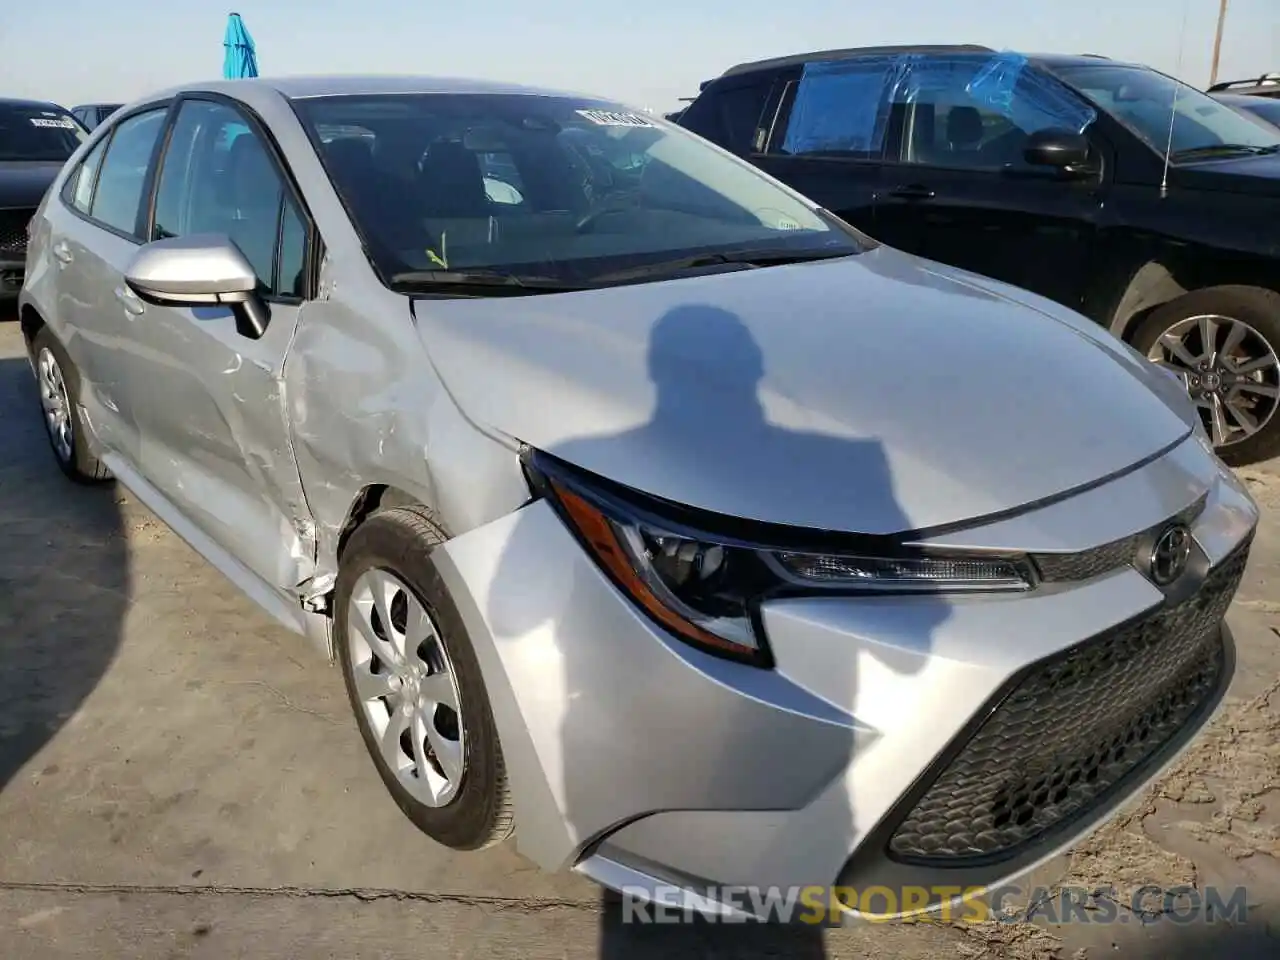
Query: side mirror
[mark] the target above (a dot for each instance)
(197, 270)
(1061, 149)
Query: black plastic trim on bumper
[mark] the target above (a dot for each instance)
(871, 865)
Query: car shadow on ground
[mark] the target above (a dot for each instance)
(64, 580)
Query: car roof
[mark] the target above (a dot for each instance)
(848, 53)
(34, 104)
(303, 87)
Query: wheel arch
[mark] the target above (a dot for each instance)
(374, 498)
(31, 323)
(1160, 281)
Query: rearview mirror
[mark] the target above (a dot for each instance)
(1061, 149)
(195, 270)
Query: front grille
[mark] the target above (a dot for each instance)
(13, 233)
(1070, 567)
(1074, 727)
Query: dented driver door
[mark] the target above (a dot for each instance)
(209, 392)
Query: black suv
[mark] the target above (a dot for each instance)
(36, 138)
(92, 114)
(1049, 173)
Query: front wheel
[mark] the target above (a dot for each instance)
(1222, 343)
(415, 684)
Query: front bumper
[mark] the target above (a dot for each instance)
(893, 744)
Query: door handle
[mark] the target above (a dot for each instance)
(130, 301)
(62, 252)
(913, 191)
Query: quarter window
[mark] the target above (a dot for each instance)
(79, 191)
(123, 176)
(218, 177)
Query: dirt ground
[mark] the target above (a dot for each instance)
(181, 778)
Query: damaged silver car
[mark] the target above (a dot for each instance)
(650, 511)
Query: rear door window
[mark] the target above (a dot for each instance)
(121, 181)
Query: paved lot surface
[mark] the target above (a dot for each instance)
(180, 778)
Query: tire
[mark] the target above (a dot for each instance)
(397, 541)
(74, 459)
(1259, 309)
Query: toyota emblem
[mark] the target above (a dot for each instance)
(1169, 555)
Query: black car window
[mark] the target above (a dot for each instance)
(946, 118)
(218, 177)
(38, 132)
(79, 187)
(123, 176)
(728, 116)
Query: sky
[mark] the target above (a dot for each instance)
(647, 54)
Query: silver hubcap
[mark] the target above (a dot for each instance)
(1230, 371)
(406, 687)
(57, 408)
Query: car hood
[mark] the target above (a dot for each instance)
(23, 183)
(876, 394)
(1259, 175)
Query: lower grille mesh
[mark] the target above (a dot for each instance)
(13, 233)
(1073, 728)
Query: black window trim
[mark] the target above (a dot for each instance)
(314, 242)
(106, 139)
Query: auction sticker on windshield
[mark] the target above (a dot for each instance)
(609, 118)
(63, 124)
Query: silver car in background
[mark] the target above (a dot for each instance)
(613, 493)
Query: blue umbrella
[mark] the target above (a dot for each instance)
(240, 57)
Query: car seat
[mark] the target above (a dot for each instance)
(964, 129)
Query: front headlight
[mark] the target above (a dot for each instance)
(703, 577)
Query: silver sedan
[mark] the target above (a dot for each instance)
(650, 511)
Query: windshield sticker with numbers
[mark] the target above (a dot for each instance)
(65, 123)
(609, 118)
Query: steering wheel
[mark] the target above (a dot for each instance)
(608, 209)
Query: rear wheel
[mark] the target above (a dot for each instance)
(415, 684)
(59, 385)
(1222, 342)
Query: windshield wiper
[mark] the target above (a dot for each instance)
(745, 258)
(1223, 149)
(482, 282)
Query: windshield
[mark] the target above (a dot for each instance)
(1144, 101)
(38, 133)
(558, 189)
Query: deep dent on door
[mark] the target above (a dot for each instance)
(256, 407)
(365, 410)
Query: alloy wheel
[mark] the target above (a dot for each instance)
(407, 687)
(56, 405)
(1230, 370)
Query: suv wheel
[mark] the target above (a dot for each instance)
(415, 684)
(1222, 342)
(59, 385)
